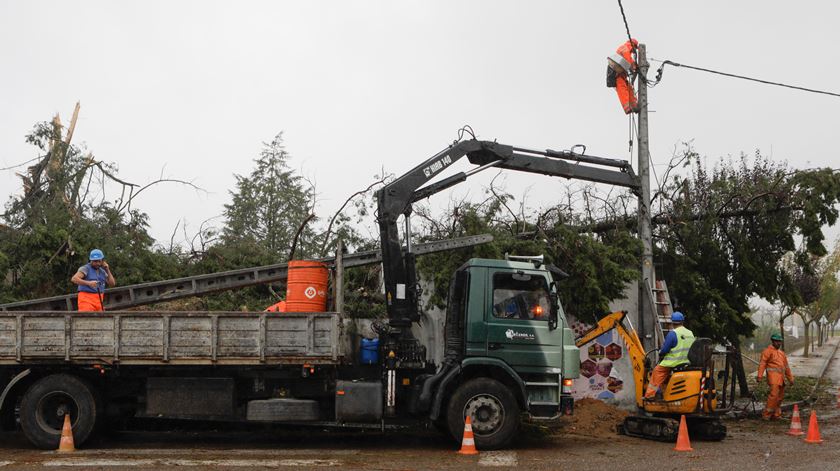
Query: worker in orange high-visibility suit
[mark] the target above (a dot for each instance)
(774, 362)
(620, 67)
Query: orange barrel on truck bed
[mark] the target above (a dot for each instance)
(306, 286)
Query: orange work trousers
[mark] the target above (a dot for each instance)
(774, 402)
(658, 377)
(90, 301)
(626, 95)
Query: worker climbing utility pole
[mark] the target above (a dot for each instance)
(647, 311)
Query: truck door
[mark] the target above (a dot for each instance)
(517, 321)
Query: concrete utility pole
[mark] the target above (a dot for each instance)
(647, 317)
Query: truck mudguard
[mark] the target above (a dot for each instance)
(479, 362)
(12, 384)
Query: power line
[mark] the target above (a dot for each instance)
(626, 27)
(717, 72)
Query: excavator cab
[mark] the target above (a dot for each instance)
(690, 388)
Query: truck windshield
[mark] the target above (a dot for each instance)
(520, 297)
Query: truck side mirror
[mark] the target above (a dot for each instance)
(555, 308)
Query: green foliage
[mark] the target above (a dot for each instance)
(728, 230)
(600, 266)
(53, 224)
(267, 208)
(799, 391)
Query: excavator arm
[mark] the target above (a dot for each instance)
(635, 349)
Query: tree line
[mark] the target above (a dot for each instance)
(724, 233)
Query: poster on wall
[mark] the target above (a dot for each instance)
(604, 367)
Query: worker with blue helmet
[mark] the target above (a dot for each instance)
(674, 352)
(92, 278)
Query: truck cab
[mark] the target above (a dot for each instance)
(517, 338)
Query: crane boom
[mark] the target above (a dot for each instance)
(395, 200)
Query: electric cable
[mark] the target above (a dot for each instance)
(22, 163)
(742, 77)
(626, 26)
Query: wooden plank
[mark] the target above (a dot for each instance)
(166, 325)
(252, 342)
(263, 332)
(116, 339)
(196, 341)
(7, 338)
(191, 324)
(144, 351)
(19, 335)
(7, 324)
(230, 335)
(141, 323)
(80, 341)
(282, 351)
(176, 337)
(93, 323)
(233, 323)
(189, 351)
(238, 351)
(286, 323)
(214, 337)
(136, 341)
(43, 323)
(98, 351)
(44, 337)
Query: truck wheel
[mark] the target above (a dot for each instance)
(45, 403)
(493, 412)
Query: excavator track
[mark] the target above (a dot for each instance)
(651, 428)
(666, 429)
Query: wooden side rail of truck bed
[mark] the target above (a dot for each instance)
(179, 338)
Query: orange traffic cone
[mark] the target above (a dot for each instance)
(468, 442)
(683, 443)
(813, 430)
(795, 423)
(66, 444)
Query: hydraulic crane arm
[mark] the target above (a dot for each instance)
(396, 198)
(635, 348)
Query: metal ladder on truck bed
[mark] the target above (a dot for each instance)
(123, 297)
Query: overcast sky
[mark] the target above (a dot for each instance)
(194, 88)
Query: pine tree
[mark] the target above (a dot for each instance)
(267, 208)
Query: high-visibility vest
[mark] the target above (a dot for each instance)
(679, 354)
(623, 59)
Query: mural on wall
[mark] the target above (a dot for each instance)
(603, 367)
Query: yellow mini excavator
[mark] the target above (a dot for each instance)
(690, 391)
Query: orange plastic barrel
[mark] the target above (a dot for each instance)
(306, 286)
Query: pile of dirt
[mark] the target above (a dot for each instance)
(594, 418)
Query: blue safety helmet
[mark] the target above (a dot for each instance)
(677, 317)
(96, 254)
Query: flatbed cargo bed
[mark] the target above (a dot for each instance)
(169, 338)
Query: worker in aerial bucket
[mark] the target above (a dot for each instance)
(775, 363)
(674, 352)
(620, 69)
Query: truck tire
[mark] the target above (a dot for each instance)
(493, 411)
(45, 403)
